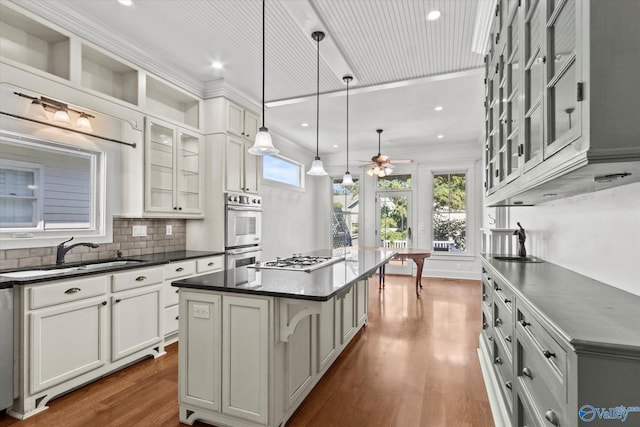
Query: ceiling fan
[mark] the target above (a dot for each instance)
(381, 165)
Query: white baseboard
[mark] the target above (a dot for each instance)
(498, 408)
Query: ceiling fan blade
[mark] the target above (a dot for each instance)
(401, 161)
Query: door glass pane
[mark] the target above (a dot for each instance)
(513, 114)
(534, 134)
(514, 73)
(189, 172)
(534, 29)
(344, 220)
(512, 154)
(393, 221)
(563, 103)
(514, 35)
(449, 213)
(161, 163)
(535, 82)
(563, 36)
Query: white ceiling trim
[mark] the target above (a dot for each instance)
(217, 88)
(374, 88)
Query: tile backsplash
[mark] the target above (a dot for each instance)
(156, 241)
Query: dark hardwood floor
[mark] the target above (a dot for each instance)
(415, 364)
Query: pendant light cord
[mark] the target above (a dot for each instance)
(318, 104)
(348, 79)
(263, 58)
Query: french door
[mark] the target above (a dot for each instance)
(394, 227)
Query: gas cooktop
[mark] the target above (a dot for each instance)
(305, 263)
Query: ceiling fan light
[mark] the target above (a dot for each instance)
(263, 146)
(370, 172)
(317, 169)
(346, 179)
(83, 124)
(381, 173)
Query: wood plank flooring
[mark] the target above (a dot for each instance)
(415, 364)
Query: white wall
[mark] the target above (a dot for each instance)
(595, 234)
(295, 221)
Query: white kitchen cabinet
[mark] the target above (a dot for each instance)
(80, 325)
(241, 168)
(226, 116)
(570, 127)
(173, 170)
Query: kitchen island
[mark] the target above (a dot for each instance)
(251, 352)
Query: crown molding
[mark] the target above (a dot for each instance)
(219, 88)
(68, 19)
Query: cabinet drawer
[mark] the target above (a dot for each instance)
(170, 324)
(547, 396)
(504, 373)
(542, 343)
(503, 293)
(487, 292)
(136, 279)
(175, 270)
(67, 291)
(206, 265)
(525, 413)
(503, 326)
(170, 295)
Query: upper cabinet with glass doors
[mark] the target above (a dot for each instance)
(561, 104)
(173, 181)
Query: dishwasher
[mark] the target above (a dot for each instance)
(6, 348)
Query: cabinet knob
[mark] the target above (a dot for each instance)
(177, 317)
(508, 385)
(498, 321)
(548, 354)
(507, 338)
(210, 264)
(498, 360)
(497, 288)
(180, 208)
(552, 417)
(104, 303)
(118, 300)
(507, 301)
(141, 278)
(177, 291)
(175, 208)
(527, 372)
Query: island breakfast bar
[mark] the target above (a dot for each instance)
(251, 352)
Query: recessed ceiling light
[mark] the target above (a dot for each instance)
(440, 136)
(433, 15)
(217, 65)
(304, 125)
(438, 108)
(125, 2)
(335, 146)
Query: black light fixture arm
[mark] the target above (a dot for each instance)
(263, 62)
(318, 36)
(347, 79)
(379, 133)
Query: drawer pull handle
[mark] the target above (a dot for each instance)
(507, 338)
(548, 354)
(507, 301)
(498, 288)
(551, 416)
(498, 321)
(527, 372)
(508, 385)
(484, 325)
(72, 291)
(179, 269)
(524, 323)
(211, 264)
(490, 338)
(498, 360)
(118, 300)
(141, 278)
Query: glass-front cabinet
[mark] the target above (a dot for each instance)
(173, 178)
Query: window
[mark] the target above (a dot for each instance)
(45, 187)
(282, 170)
(344, 218)
(394, 182)
(449, 212)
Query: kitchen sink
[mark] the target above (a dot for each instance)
(108, 264)
(518, 258)
(25, 274)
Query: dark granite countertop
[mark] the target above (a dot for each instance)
(318, 285)
(144, 261)
(582, 310)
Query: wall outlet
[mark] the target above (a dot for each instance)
(139, 231)
(169, 231)
(200, 311)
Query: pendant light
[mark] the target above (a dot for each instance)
(346, 179)
(316, 166)
(263, 145)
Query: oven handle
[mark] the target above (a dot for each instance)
(243, 209)
(243, 250)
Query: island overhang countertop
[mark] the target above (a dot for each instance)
(318, 285)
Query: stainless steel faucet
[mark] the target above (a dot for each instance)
(522, 251)
(62, 249)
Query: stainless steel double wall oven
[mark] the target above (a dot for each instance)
(243, 231)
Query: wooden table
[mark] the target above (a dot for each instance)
(417, 255)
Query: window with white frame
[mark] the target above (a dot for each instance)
(450, 212)
(46, 187)
(282, 170)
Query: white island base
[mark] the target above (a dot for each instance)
(250, 360)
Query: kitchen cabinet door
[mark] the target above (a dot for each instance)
(136, 320)
(245, 360)
(241, 168)
(362, 302)
(67, 340)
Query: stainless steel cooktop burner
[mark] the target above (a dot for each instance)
(297, 262)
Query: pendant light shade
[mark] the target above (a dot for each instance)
(317, 168)
(263, 145)
(36, 110)
(62, 116)
(83, 124)
(346, 179)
